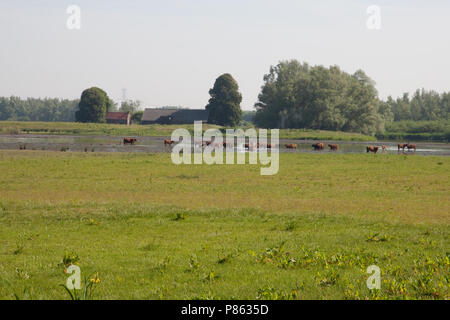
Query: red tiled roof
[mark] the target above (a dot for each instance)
(117, 115)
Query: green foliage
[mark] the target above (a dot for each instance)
(180, 216)
(20, 244)
(85, 293)
(94, 104)
(376, 237)
(11, 130)
(290, 226)
(438, 130)
(224, 106)
(70, 258)
(295, 95)
(210, 276)
(277, 256)
(225, 258)
(32, 109)
(163, 264)
(328, 278)
(22, 274)
(95, 129)
(419, 126)
(248, 117)
(130, 106)
(270, 293)
(193, 262)
(26, 295)
(423, 106)
(136, 117)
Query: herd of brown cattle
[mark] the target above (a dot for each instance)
(317, 146)
(249, 146)
(374, 149)
(320, 146)
(401, 146)
(408, 146)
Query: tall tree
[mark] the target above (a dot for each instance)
(278, 98)
(295, 95)
(94, 104)
(130, 106)
(445, 106)
(225, 104)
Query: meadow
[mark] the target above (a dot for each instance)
(153, 230)
(155, 130)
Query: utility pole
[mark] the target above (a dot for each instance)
(124, 95)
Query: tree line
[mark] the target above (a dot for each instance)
(423, 106)
(294, 95)
(36, 109)
(87, 109)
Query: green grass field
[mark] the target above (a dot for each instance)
(153, 230)
(73, 128)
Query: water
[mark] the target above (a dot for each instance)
(156, 144)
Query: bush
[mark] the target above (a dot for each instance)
(417, 130)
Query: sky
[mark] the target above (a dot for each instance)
(169, 53)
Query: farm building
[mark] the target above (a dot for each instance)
(174, 116)
(118, 118)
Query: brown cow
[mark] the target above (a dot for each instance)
(291, 146)
(411, 146)
(384, 148)
(318, 146)
(264, 145)
(207, 143)
(402, 146)
(129, 140)
(333, 147)
(372, 149)
(250, 146)
(168, 142)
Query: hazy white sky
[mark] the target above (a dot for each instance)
(170, 52)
